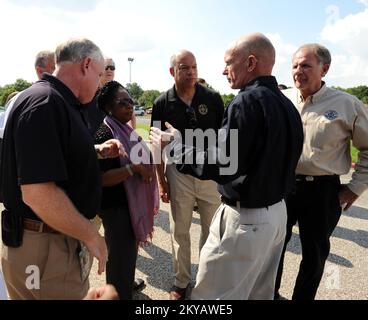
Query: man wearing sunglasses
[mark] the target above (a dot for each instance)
(109, 73)
(188, 106)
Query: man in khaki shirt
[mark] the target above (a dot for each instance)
(331, 119)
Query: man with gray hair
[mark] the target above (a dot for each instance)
(45, 62)
(332, 120)
(240, 258)
(50, 181)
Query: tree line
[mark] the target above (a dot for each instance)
(146, 98)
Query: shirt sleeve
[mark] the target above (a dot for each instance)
(359, 182)
(40, 138)
(237, 149)
(157, 120)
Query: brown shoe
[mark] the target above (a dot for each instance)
(177, 293)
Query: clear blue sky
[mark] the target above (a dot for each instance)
(150, 31)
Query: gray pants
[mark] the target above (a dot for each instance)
(240, 258)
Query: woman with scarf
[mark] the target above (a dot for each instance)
(130, 195)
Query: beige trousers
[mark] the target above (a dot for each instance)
(45, 267)
(185, 190)
(240, 258)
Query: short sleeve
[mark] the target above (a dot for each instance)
(40, 138)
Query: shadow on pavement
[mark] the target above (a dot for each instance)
(357, 212)
(294, 246)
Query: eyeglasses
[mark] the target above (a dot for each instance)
(125, 102)
(112, 68)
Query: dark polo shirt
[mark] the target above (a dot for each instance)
(206, 104)
(269, 144)
(46, 140)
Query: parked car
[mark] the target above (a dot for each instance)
(149, 111)
(138, 111)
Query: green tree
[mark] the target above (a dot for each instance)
(135, 90)
(361, 92)
(227, 98)
(148, 98)
(18, 85)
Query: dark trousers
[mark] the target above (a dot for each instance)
(122, 248)
(315, 206)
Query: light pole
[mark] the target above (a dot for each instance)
(130, 69)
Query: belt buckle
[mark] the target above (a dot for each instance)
(309, 178)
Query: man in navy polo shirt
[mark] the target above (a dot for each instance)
(50, 181)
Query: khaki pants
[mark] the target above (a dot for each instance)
(185, 190)
(55, 256)
(240, 258)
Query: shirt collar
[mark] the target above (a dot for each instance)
(67, 94)
(315, 97)
(262, 80)
(172, 95)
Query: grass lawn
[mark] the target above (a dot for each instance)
(143, 130)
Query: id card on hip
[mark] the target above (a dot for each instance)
(85, 261)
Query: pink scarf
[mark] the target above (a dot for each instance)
(143, 198)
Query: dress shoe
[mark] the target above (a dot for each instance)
(138, 284)
(177, 293)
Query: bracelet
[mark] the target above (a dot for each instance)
(128, 167)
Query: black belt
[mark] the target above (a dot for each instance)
(303, 178)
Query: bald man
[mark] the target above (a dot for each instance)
(188, 106)
(240, 258)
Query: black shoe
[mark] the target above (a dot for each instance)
(177, 293)
(138, 284)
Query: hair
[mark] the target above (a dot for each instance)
(322, 54)
(107, 94)
(175, 56)
(75, 50)
(10, 96)
(43, 57)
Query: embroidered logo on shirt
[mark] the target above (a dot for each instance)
(203, 109)
(331, 115)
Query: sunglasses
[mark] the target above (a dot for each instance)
(125, 102)
(112, 68)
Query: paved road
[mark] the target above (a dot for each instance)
(345, 275)
(346, 272)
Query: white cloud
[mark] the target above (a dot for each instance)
(364, 2)
(284, 52)
(347, 37)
